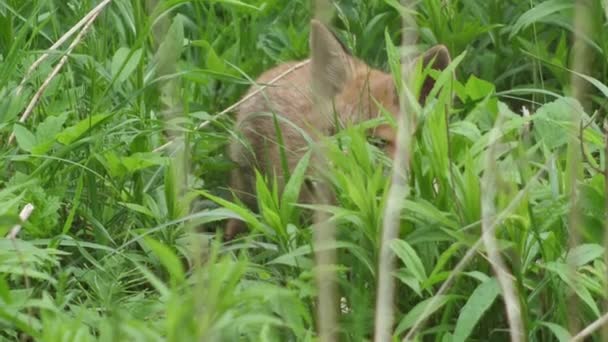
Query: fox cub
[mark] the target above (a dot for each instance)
(333, 87)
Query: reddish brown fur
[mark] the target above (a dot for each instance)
(339, 81)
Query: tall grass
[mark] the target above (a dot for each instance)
(501, 226)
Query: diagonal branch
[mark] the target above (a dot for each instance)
(34, 101)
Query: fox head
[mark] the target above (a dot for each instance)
(356, 89)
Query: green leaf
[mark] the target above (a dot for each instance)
(583, 254)
(122, 67)
(47, 131)
(292, 188)
(169, 260)
(537, 13)
(406, 277)
(562, 334)
(142, 160)
(5, 291)
(567, 274)
(410, 258)
(138, 208)
(25, 139)
(214, 62)
(73, 133)
(553, 122)
(243, 213)
(421, 311)
(238, 4)
(477, 89)
(477, 304)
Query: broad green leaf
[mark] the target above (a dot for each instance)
(406, 277)
(477, 89)
(539, 12)
(169, 260)
(410, 258)
(443, 259)
(553, 122)
(583, 254)
(466, 129)
(47, 131)
(568, 275)
(73, 133)
(294, 256)
(25, 139)
(244, 213)
(238, 4)
(562, 334)
(122, 66)
(5, 291)
(421, 311)
(480, 300)
(138, 208)
(138, 161)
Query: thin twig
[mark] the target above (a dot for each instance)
(399, 189)
(324, 232)
(23, 216)
(241, 101)
(604, 332)
(60, 41)
(488, 191)
(579, 65)
(12, 236)
(591, 328)
(30, 107)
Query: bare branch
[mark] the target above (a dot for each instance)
(30, 107)
(591, 328)
(488, 191)
(94, 12)
(399, 189)
(241, 101)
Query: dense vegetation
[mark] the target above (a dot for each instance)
(122, 244)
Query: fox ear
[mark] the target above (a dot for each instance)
(330, 61)
(440, 57)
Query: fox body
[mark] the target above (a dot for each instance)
(307, 103)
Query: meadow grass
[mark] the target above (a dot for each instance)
(121, 152)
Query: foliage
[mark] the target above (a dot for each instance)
(114, 249)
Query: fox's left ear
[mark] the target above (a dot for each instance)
(440, 57)
(330, 60)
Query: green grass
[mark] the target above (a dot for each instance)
(122, 243)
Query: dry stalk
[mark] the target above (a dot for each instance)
(324, 231)
(34, 101)
(97, 9)
(23, 216)
(591, 328)
(399, 189)
(579, 65)
(241, 101)
(504, 277)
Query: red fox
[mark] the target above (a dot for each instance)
(350, 90)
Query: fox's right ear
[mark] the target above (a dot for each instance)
(330, 62)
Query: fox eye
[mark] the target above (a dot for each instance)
(378, 142)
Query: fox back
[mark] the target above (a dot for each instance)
(307, 102)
